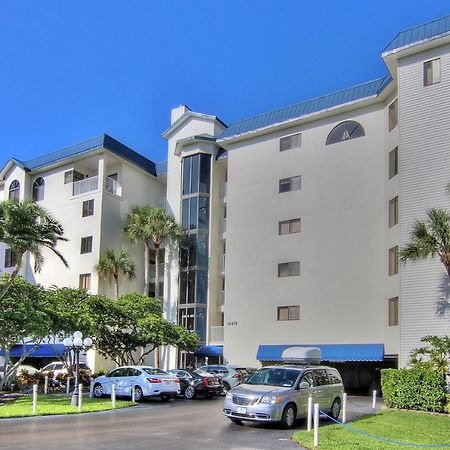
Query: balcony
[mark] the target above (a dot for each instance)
(221, 264)
(216, 335)
(223, 191)
(113, 186)
(223, 226)
(221, 298)
(87, 185)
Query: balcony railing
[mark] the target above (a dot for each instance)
(86, 185)
(216, 335)
(223, 225)
(221, 263)
(113, 186)
(223, 190)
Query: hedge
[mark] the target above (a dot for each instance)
(419, 388)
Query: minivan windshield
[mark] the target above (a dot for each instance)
(274, 377)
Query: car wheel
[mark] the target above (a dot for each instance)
(226, 388)
(335, 409)
(236, 421)
(138, 394)
(189, 392)
(98, 390)
(288, 417)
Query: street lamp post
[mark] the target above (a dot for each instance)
(77, 344)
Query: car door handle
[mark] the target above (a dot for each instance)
(318, 391)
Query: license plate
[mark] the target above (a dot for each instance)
(241, 410)
(167, 381)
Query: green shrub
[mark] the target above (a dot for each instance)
(99, 373)
(419, 388)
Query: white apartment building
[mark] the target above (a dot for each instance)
(293, 218)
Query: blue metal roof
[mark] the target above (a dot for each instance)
(43, 351)
(90, 145)
(330, 352)
(420, 33)
(210, 350)
(361, 91)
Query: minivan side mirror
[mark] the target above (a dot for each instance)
(304, 385)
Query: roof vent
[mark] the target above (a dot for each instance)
(302, 355)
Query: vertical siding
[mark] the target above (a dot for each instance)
(424, 173)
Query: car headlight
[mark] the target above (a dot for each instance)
(229, 396)
(271, 399)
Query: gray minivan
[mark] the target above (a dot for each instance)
(280, 394)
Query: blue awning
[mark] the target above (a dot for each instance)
(210, 350)
(330, 352)
(43, 351)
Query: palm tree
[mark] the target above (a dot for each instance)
(112, 267)
(430, 237)
(27, 227)
(150, 224)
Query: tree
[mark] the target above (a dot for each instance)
(430, 237)
(435, 355)
(128, 329)
(150, 224)
(24, 317)
(25, 226)
(112, 267)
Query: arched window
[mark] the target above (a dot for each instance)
(14, 190)
(345, 131)
(38, 189)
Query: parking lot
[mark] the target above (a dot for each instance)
(179, 424)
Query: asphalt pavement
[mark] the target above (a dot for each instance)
(179, 424)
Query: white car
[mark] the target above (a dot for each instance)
(146, 381)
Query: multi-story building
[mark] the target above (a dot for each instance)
(293, 218)
(89, 188)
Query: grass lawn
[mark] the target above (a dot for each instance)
(405, 426)
(48, 405)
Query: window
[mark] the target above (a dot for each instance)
(432, 72)
(85, 281)
(321, 377)
(88, 208)
(393, 311)
(290, 184)
(288, 142)
(289, 226)
(393, 163)
(10, 258)
(86, 244)
(289, 269)
(393, 114)
(393, 260)
(72, 175)
(14, 190)
(288, 312)
(38, 189)
(345, 131)
(393, 212)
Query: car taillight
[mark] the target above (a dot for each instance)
(176, 380)
(153, 380)
(205, 381)
(237, 375)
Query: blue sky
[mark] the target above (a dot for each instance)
(74, 69)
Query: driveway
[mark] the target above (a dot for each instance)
(179, 424)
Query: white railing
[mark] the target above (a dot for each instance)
(223, 190)
(86, 185)
(221, 298)
(216, 335)
(112, 186)
(221, 263)
(223, 225)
